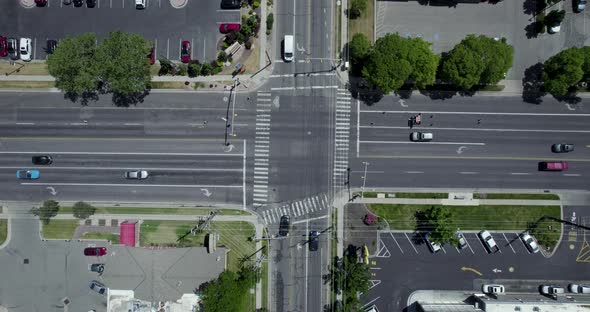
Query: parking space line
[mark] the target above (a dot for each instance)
(168, 49)
(508, 242)
(398, 246)
(482, 245)
(525, 248)
(411, 242)
(192, 45)
(35, 48)
(443, 249)
(123, 3)
(180, 48)
(156, 48)
(204, 56)
(469, 245)
(457, 248)
(98, 4)
(387, 254)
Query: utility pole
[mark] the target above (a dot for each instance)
(364, 178)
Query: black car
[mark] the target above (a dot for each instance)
(314, 240)
(51, 44)
(90, 3)
(42, 160)
(231, 4)
(78, 3)
(579, 6)
(284, 225)
(562, 148)
(96, 267)
(13, 49)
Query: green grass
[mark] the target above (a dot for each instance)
(60, 229)
(364, 24)
(3, 230)
(106, 236)
(233, 235)
(264, 281)
(515, 196)
(168, 211)
(489, 217)
(27, 69)
(9, 84)
(407, 195)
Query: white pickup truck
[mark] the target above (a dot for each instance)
(489, 241)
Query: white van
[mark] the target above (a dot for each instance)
(288, 48)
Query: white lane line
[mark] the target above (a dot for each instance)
(123, 168)
(468, 172)
(484, 129)
(122, 153)
(478, 113)
(134, 185)
(244, 178)
(422, 143)
(414, 171)
(358, 121)
(411, 244)
(395, 240)
(572, 174)
(520, 173)
(25, 123)
(514, 251)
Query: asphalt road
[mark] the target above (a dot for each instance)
(160, 23)
(478, 142)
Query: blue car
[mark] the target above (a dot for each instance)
(28, 174)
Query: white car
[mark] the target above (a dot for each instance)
(551, 290)
(489, 241)
(25, 49)
(434, 247)
(529, 242)
(492, 289)
(554, 29)
(421, 136)
(140, 4)
(136, 175)
(579, 289)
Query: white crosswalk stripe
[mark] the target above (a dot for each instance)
(296, 209)
(341, 144)
(262, 154)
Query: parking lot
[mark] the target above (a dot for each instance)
(445, 26)
(164, 25)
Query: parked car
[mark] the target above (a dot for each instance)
(529, 242)
(554, 29)
(562, 148)
(67, 2)
(229, 27)
(552, 290)
(98, 287)
(185, 51)
(231, 4)
(13, 49)
(579, 6)
(284, 225)
(553, 166)
(137, 174)
(489, 241)
(434, 247)
(41, 3)
(579, 289)
(51, 45)
(42, 160)
(314, 240)
(25, 49)
(28, 174)
(3, 46)
(461, 241)
(140, 4)
(90, 3)
(95, 251)
(96, 267)
(494, 289)
(152, 56)
(421, 136)
(78, 3)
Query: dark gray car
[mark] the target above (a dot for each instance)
(562, 148)
(314, 240)
(96, 267)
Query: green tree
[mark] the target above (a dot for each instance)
(562, 71)
(586, 67)
(554, 18)
(351, 278)
(206, 69)
(394, 61)
(165, 67)
(73, 66)
(477, 60)
(122, 63)
(270, 18)
(356, 8)
(47, 211)
(439, 221)
(82, 210)
(224, 294)
(358, 49)
(194, 69)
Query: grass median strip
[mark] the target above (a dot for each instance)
(106, 236)
(515, 196)
(3, 230)
(10, 84)
(406, 195)
(153, 211)
(489, 217)
(59, 229)
(233, 235)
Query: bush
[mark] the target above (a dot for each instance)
(248, 44)
(182, 70)
(206, 69)
(194, 69)
(251, 12)
(246, 31)
(240, 37)
(216, 69)
(356, 7)
(165, 67)
(268, 3)
(256, 4)
(231, 38)
(269, 21)
(222, 57)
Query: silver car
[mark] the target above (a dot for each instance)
(529, 242)
(137, 174)
(98, 287)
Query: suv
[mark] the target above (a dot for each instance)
(551, 290)
(579, 6)
(529, 242)
(284, 225)
(489, 241)
(434, 247)
(25, 49)
(421, 136)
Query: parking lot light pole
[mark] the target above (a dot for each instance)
(364, 178)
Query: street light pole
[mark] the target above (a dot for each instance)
(364, 178)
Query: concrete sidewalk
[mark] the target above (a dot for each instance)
(458, 202)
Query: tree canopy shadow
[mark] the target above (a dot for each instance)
(126, 100)
(365, 91)
(83, 98)
(533, 29)
(532, 84)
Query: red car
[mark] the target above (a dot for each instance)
(152, 56)
(3, 46)
(553, 166)
(95, 251)
(185, 51)
(229, 27)
(41, 2)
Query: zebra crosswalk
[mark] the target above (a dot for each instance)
(262, 148)
(343, 100)
(296, 208)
